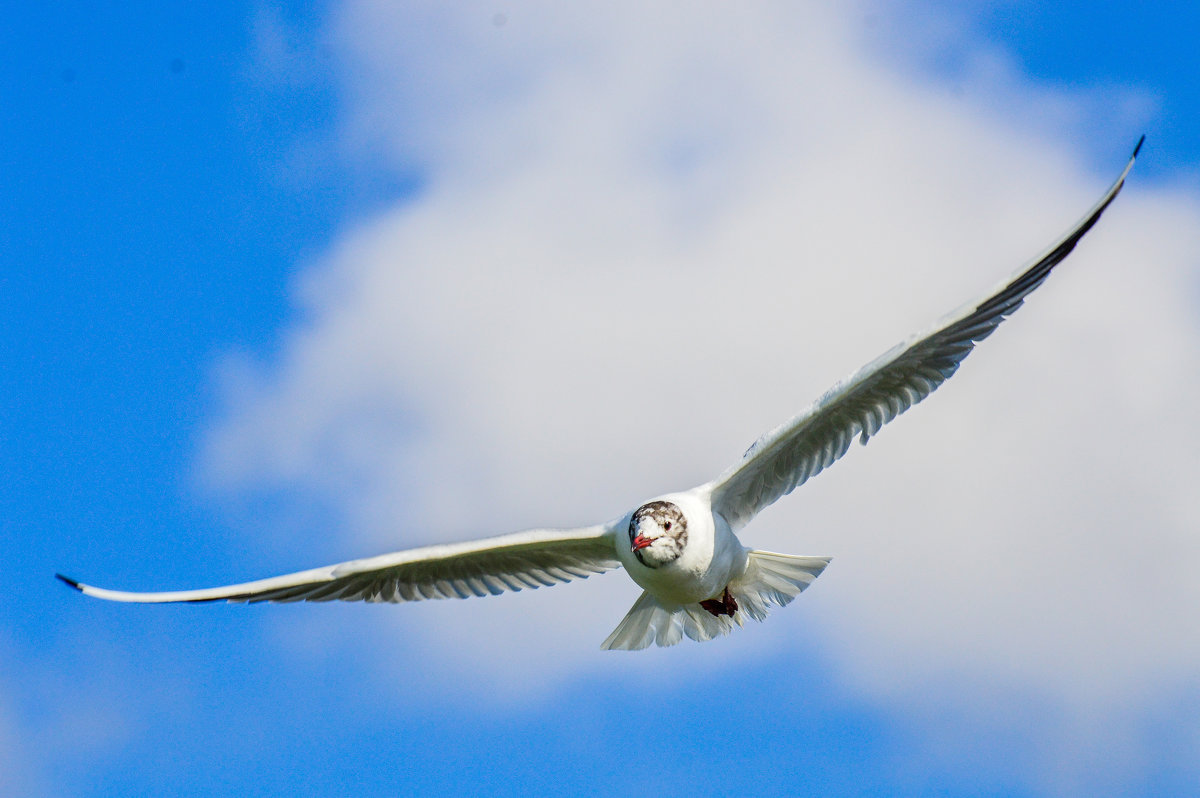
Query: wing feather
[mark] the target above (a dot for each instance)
(488, 567)
(863, 403)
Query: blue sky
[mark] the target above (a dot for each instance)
(239, 343)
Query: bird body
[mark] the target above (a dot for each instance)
(682, 548)
(698, 578)
(685, 574)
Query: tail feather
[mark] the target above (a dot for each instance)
(650, 621)
(773, 578)
(770, 578)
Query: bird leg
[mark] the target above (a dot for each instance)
(726, 605)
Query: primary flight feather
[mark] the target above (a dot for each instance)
(682, 548)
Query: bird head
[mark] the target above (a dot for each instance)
(657, 533)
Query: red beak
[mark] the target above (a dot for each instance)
(640, 542)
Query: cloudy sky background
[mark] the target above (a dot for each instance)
(286, 286)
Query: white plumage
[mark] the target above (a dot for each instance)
(682, 548)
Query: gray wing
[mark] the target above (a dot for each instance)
(799, 449)
(531, 559)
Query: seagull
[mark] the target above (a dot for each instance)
(682, 548)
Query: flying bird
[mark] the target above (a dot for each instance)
(682, 548)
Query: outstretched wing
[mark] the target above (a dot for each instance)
(532, 559)
(799, 449)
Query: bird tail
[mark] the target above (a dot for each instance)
(649, 621)
(770, 578)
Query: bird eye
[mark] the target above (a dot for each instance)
(668, 526)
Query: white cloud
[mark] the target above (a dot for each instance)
(54, 727)
(650, 235)
(16, 776)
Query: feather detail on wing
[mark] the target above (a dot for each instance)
(858, 406)
(531, 559)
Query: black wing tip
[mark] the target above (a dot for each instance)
(1138, 148)
(71, 582)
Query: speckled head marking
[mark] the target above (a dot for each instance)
(657, 533)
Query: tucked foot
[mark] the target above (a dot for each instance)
(725, 605)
